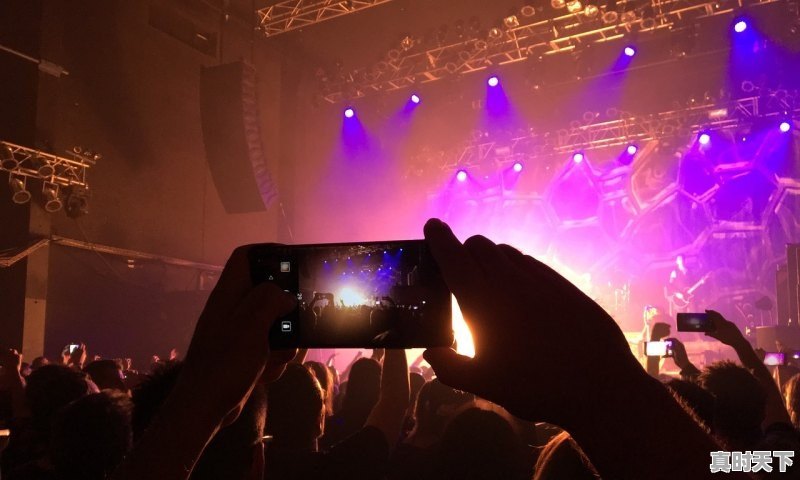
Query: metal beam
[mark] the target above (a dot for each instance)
(293, 14)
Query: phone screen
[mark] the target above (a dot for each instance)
(694, 322)
(357, 295)
(72, 347)
(775, 358)
(656, 349)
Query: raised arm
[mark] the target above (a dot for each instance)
(618, 414)
(228, 354)
(728, 333)
(12, 380)
(389, 413)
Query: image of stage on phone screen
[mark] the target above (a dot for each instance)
(368, 295)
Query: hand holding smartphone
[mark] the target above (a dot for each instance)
(357, 295)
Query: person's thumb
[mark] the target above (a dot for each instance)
(452, 369)
(267, 303)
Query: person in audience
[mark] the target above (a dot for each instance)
(325, 379)
(47, 390)
(39, 362)
(296, 422)
(479, 445)
(106, 374)
(236, 451)
(363, 388)
(697, 399)
(91, 435)
(792, 396)
(739, 404)
(562, 459)
(436, 405)
(518, 364)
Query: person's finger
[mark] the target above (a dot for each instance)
(452, 369)
(488, 255)
(267, 303)
(460, 271)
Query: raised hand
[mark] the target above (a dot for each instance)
(725, 331)
(524, 317)
(545, 351)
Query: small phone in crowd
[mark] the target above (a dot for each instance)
(659, 349)
(72, 347)
(357, 295)
(694, 322)
(775, 359)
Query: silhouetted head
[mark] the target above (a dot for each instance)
(436, 405)
(739, 404)
(296, 413)
(91, 436)
(363, 388)
(479, 444)
(52, 387)
(325, 378)
(106, 374)
(699, 400)
(792, 396)
(39, 362)
(236, 451)
(563, 459)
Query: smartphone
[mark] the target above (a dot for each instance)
(658, 349)
(775, 358)
(72, 347)
(357, 295)
(694, 322)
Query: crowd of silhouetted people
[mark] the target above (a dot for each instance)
(552, 392)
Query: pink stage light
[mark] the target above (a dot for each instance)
(493, 81)
(632, 149)
(518, 167)
(349, 112)
(415, 99)
(704, 139)
(461, 175)
(578, 157)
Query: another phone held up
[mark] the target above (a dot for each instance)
(357, 295)
(659, 349)
(694, 322)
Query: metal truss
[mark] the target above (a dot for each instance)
(23, 162)
(293, 14)
(628, 129)
(538, 38)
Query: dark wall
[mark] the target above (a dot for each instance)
(19, 30)
(132, 94)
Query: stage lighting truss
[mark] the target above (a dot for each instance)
(594, 134)
(293, 14)
(534, 37)
(24, 164)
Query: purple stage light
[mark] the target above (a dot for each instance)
(785, 127)
(630, 51)
(415, 98)
(518, 167)
(493, 81)
(632, 149)
(349, 112)
(461, 175)
(704, 139)
(740, 26)
(578, 157)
